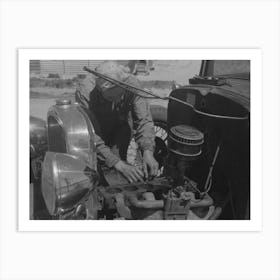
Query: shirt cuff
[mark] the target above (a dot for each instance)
(111, 160)
(147, 145)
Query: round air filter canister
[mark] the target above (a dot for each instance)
(185, 141)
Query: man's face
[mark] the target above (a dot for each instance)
(113, 94)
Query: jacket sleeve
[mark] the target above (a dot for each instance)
(143, 122)
(104, 152)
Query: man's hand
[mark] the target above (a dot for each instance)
(149, 163)
(131, 173)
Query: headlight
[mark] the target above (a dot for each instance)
(65, 181)
(38, 137)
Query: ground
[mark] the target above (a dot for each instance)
(44, 91)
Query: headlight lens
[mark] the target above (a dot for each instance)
(65, 181)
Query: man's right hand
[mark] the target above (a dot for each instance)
(131, 173)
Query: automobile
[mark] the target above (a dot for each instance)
(202, 146)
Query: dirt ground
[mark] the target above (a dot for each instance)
(159, 80)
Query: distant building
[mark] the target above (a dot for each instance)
(62, 67)
(74, 67)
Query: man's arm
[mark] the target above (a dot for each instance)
(145, 132)
(145, 135)
(142, 118)
(131, 173)
(105, 153)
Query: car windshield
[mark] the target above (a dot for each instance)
(230, 67)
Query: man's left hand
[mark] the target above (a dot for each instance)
(149, 163)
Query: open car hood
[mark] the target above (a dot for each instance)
(236, 90)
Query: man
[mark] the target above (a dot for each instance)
(118, 111)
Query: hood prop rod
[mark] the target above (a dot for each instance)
(152, 95)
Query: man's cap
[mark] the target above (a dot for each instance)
(113, 70)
